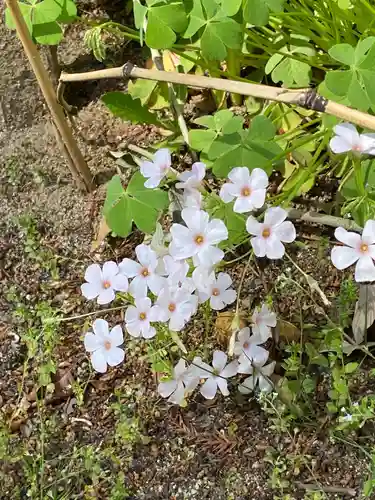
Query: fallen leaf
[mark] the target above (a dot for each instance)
(287, 332)
(364, 314)
(103, 230)
(63, 380)
(224, 326)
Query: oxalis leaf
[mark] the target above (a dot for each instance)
(250, 148)
(236, 223)
(219, 31)
(163, 22)
(127, 108)
(136, 203)
(257, 11)
(356, 82)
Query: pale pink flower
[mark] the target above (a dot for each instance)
(102, 284)
(249, 189)
(104, 345)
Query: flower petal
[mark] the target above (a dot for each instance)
(239, 175)
(247, 385)
(222, 385)
(116, 336)
(163, 158)
(348, 131)
(258, 197)
(120, 283)
(209, 388)
(285, 232)
(343, 257)
(110, 269)
(131, 314)
(274, 248)
(99, 361)
(365, 269)
(340, 145)
(91, 290)
(219, 360)
(208, 256)
(368, 235)
(156, 283)
(229, 296)
(230, 370)
(216, 303)
(348, 238)
(223, 281)
(274, 216)
(93, 273)
(165, 389)
(196, 220)
(130, 268)
(149, 169)
(199, 170)
(146, 256)
(259, 246)
(100, 327)
(226, 192)
(92, 342)
(258, 179)
(180, 368)
(216, 231)
(138, 287)
(253, 226)
(115, 356)
(148, 332)
(153, 182)
(106, 296)
(179, 394)
(243, 204)
(134, 328)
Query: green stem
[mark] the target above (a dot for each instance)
(359, 181)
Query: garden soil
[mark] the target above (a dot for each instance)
(219, 450)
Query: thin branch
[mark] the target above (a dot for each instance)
(325, 220)
(307, 98)
(49, 94)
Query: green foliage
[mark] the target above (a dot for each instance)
(127, 108)
(135, 203)
(257, 11)
(356, 83)
(43, 18)
(289, 71)
(235, 223)
(251, 148)
(218, 32)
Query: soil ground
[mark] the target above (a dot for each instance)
(216, 450)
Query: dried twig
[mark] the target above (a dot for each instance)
(307, 98)
(325, 220)
(328, 489)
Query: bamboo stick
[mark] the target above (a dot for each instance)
(301, 97)
(77, 165)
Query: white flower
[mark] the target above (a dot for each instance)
(198, 238)
(248, 189)
(260, 377)
(138, 318)
(216, 374)
(359, 249)
(156, 170)
(144, 272)
(248, 349)
(262, 322)
(177, 306)
(270, 233)
(192, 199)
(177, 270)
(103, 345)
(218, 291)
(192, 180)
(182, 381)
(347, 139)
(103, 284)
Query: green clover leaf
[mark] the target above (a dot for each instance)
(257, 11)
(136, 203)
(356, 83)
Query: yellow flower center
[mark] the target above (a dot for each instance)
(199, 239)
(246, 191)
(145, 272)
(266, 233)
(172, 307)
(215, 292)
(364, 248)
(246, 345)
(142, 316)
(107, 345)
(106, 284)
